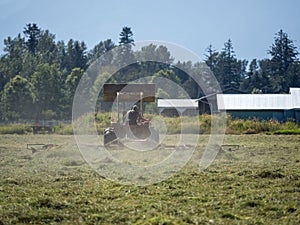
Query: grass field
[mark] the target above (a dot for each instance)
(255, 182)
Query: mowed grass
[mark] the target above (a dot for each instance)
(255, 179)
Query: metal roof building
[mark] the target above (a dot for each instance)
(174, 107)
(280, 107)
(260, 101)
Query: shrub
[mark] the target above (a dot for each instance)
(287, 132)
(239, 126)
(65, 129)
(290, 125)
(15, 129)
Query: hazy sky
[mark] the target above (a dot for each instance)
(194, 24)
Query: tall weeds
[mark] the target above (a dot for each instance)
(175, 125)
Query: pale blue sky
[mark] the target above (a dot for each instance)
(194, 24)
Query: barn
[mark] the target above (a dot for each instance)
(280, 107)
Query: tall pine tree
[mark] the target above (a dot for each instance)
(284, 55)
(32, 32)
(126, 36)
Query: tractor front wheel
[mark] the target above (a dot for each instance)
(109, 136)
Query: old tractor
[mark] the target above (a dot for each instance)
(124, 96)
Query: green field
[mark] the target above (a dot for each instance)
(257, 181)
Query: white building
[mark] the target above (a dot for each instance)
(176, 107)
(280, 107)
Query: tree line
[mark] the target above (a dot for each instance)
(39, 75)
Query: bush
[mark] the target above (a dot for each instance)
(102, 121)
(65, 129)
(205, 124)
(288, 132)
(15, 129)
(239, 126)
(290, 125)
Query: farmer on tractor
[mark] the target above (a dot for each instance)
(133, 116)
(133, 127)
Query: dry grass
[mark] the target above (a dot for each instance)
(256, 182)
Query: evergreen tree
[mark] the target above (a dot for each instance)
(99, 50)
(264, 73)
(254, 81)
(126, 36)
(32, 32)
(231, 71)
(293, 75)
(229, 79)
(284, 54)
(214, 62)
(228, 70)
(47, 48)
(124, 54)
(75, 55)
(211, 57)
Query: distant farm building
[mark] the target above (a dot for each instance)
(177, 107)
(280, 107)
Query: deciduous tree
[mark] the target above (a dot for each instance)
(17, 100)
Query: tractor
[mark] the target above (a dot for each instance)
(124, 96)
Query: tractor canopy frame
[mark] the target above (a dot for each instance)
(133, 93)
